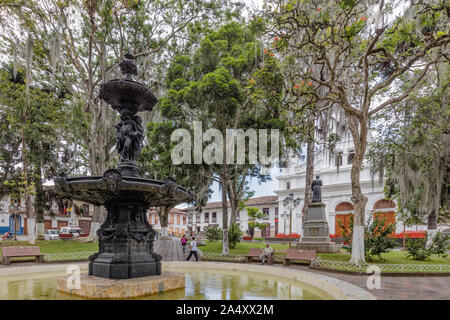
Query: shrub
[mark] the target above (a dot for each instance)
(259, 239)
(234, 235)
(213, 233)
(440, 244)
(417, 249)
(376, 240)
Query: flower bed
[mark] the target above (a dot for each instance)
(293, 235)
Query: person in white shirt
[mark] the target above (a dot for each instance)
(193, 250)
(267, 253)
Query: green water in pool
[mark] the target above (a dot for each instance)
(200, 285)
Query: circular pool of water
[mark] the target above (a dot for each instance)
(200, 285)
(203, 281)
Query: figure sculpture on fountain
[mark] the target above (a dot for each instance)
(129, 136)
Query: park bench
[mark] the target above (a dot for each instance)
(293, 254)
(256, 253)
(10, 252)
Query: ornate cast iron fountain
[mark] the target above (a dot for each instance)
(126, 237)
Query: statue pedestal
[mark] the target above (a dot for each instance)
(128, 168)
(316, 232)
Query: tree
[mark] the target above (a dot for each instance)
(412, 150)
(360, 63)
(39, 115)
(78, 44)
(254, 214)
(156, 163)
(209, 90)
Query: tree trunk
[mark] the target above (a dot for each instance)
(39, 201)
(235, 195)
(98, 216)
(431, 228)
(404, 235)
(163, 213)
(359, 200)
(225, 243)
(309, 179)
(31, 221)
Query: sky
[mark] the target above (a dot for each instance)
(263, 189)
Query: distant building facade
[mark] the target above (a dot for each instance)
(13, 216)
(334, 171)
(177, 222)
(211, 215)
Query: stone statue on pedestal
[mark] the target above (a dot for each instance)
(315, 227)
(317, 192)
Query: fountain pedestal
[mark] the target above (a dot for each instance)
(103, 288)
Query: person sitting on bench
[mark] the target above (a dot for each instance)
(267, 253)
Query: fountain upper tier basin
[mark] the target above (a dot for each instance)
(112, 186)
(129, 93)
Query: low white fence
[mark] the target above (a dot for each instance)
(384, 267)
(84, 255)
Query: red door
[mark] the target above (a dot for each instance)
(343, 219)
(390, 218)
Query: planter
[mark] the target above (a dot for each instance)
(247, 238)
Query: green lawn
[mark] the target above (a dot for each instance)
(241, 247)
(55, 247)
(395, 257)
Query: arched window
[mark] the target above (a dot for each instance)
(384, 204)
(344, 207)
(385, 209)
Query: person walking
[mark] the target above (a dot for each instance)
(193, 250)
(184, 242)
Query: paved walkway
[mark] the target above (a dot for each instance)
(170, 250)
(397, 287)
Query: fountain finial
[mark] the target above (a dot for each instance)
(128, 66)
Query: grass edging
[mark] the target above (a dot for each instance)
(389, 274)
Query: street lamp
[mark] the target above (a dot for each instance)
(284, 216)
(290, 203)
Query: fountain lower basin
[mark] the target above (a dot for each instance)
(203, 281)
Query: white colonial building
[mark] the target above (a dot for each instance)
(211, 214)
(334, 171)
